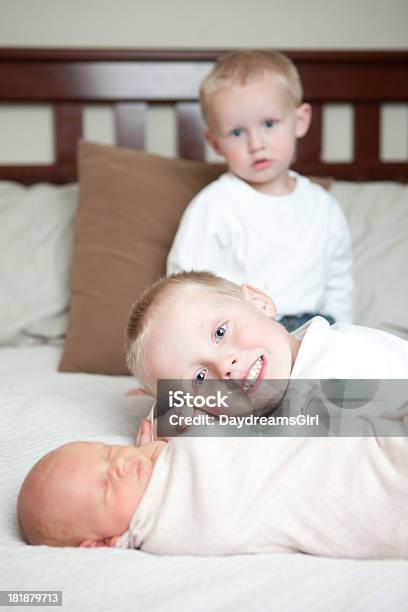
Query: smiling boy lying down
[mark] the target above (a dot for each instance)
(342, 497)
(196, 326)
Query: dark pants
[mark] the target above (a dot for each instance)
(292, 322)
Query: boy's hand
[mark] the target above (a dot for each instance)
(144, 433)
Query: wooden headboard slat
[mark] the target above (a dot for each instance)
(68, 130)
(130, 118)
(190, 131)
(367, 132)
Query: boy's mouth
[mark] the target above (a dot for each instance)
(253, 374)
(261, 164)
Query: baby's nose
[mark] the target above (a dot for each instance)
(121, 465)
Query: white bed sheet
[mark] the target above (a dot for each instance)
(40, 409)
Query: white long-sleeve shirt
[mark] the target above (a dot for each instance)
(295, 247)
(343, 351)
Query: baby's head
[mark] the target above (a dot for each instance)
(196, 325)
(252, 104)
(84, 493)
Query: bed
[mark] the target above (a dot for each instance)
(93, 250)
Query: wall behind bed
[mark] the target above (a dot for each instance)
(294, 24)
(207, 23)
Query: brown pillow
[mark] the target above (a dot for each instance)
(130, 204)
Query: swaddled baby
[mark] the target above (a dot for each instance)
(84, 493)
(342, 497)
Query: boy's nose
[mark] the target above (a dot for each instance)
(254, 142)
(228, 368)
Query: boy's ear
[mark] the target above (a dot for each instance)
(98, 543)
(303, 115)
(212, 141)
(260, 299)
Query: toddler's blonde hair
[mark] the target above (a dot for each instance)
(142, 314)
(239, 67)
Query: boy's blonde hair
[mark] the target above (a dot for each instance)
(141, 315)
(239, 67)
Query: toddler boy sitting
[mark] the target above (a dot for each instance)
(261, 221)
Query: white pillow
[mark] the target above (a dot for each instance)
(36, 237)
(377, 213)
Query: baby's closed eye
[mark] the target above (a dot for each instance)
(105, 486)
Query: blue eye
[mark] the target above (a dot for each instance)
(220, 332)
(269, 123)
(200, 377)
(237, 132)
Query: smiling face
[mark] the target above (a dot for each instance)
(92, 490)
(198, 333)
(255, 127)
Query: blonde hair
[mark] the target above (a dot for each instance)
(141, 315)
(239, 67)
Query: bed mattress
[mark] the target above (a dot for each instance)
(40, 409)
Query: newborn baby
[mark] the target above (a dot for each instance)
(338, 497)
(84, 493)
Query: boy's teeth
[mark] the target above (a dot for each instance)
(253, 374)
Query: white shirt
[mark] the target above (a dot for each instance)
(295, 247)
(348, 351)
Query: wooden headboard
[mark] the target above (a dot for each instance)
(68, 80)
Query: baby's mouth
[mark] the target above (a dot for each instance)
(253, 374)
(137, 467)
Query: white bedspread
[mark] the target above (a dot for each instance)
(40, 409)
